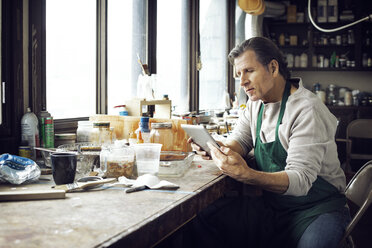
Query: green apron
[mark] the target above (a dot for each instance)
(292, 214)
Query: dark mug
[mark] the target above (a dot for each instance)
(63, 167)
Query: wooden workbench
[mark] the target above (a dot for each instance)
(109, 217)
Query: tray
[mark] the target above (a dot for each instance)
(175, 168)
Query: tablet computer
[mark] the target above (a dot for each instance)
(200, 136)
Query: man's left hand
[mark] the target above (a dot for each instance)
(230, 162)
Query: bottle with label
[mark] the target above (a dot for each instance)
(30, 131)
(46, 129)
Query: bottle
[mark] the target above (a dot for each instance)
(132, 138)
(303, 60)
(348, 98)
(290, 60)
(297, 61)
(144, 129)
(331, 95)
(30, 131)
(139, 137)
(350, 37)
(84, 131)
(46, 129)
(162, 133)
(281, 39)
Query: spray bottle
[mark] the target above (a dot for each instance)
(30, 131)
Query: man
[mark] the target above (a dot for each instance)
(292, 134)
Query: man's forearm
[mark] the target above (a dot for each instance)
(277, 182)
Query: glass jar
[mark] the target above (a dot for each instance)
(162, 133)
(84, 131)
(101, 133)
(117, 162)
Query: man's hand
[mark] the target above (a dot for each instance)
(230, 163)
(199, 150)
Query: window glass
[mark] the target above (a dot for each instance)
(243, 31)
(71, 58)
(119, 53)
(1, 91)
(168, 57)
(213, 49)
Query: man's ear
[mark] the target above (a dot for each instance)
(274, 67)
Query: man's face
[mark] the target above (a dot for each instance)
(255, 79)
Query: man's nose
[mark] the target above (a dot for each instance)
(243, 80)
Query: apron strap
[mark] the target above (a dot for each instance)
(286, 94)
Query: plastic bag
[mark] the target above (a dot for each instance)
(18, 170)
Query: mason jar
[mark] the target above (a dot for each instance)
(162, 133)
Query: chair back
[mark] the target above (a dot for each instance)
(359, 128)
(360, 186)
(358, 191)
(362, 129)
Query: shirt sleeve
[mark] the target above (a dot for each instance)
(312, 134)
(242, 132)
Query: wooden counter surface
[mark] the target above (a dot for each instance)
(109, 217)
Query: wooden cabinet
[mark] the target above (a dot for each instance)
(348, 49)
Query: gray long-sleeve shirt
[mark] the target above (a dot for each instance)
(307, 133)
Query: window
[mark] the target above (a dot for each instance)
(120, 54)
(91, 56)
(1, 78)
(213, 50)
(169, 57)
(71, 58)
(243, 31)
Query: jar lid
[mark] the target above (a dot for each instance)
(101, 124)
(161, 125)
(65, 136)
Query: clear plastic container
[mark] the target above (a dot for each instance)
(117, 162)
(162, 133)
(84, 131)
(147, 158)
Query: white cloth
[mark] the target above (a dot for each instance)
(148, 180)
(307, 133)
